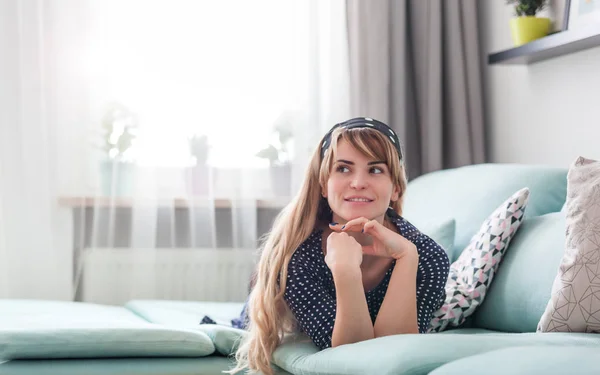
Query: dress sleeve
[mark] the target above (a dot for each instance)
(432, 275)
(307, 297)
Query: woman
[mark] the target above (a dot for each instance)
(341, 264)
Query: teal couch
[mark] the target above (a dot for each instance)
(163, 337)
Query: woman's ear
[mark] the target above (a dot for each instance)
(395, 193)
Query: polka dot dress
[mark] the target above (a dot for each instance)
(310, 290)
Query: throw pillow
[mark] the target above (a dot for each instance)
(472, 273)
(443, 234)
(574, 304)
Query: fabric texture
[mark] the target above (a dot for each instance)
(470, 193)
(36, 329)
(575, 302)
(310, 290)
(472, 274)
(522, 360)
(443, 234)
(518, 297)
(414, 354)
(212, 318)
(415, 65)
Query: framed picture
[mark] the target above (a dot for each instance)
(582, 13)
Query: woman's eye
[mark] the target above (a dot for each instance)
(376, 170)
(342, 168)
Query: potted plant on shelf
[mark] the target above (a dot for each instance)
(526, 27)
(199, 173)
(279, 156)
(117, 169)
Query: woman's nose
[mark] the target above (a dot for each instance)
(359, 181)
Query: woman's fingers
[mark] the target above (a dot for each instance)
(360, 224)
(355, 225)
(372, 228)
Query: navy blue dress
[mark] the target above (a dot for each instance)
(310, 290)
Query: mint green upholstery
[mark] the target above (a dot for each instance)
(521, 289)
(189, 314)
(469, 194)
(47, 329)
(211, 365)
(412, 354)
(546, 360)
(442, 233)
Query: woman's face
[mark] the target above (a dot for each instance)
(358, 186)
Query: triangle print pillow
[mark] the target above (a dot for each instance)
(472, 273)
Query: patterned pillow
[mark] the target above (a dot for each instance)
(472, 273)
(573, 305)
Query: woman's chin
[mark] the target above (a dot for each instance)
(348, 215)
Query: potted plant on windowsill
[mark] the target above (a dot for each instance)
(117, 169)
(199, 174)
(526, 26)
(279, 156)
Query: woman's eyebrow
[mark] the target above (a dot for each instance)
(352, 163)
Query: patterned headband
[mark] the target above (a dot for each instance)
(362, 122)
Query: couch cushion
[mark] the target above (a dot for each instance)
(411, 353)
(473, 273)
(547, 360)
(211, 365)
(469, 194)
(518, 296)
(188, 314)
(48, 329)
(442, 233)
(575, 302)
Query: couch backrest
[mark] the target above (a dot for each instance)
(470, 194)
(521, 288)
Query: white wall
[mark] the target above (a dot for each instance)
(545, 113)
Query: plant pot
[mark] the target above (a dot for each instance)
(528, 28)
(117, 179)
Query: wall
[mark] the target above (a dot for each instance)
(545, 113)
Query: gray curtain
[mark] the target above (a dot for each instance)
(416, 66)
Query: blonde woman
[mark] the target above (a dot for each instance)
(341, 264)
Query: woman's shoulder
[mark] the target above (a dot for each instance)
(404, 227)
(426, 246)
(310, 247)
(308, 257)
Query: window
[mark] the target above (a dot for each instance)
(224, 69)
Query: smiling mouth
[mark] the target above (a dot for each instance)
(364, 200)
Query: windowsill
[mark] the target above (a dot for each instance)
(88, 201)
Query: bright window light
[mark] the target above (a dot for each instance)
(222, 68)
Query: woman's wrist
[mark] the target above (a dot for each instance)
(409, 254)
(346, 273)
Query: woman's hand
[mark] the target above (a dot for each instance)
(386, 242)
(344, 253)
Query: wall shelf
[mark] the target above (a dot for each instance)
(553, 45)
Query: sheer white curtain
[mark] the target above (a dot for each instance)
(129, 137)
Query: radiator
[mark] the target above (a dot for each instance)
(117, 275)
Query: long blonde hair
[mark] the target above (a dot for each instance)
(269, 317)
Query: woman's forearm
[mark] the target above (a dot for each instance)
(398, 312)
(352, 319)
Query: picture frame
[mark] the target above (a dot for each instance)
(582, 13)
(559, 13)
